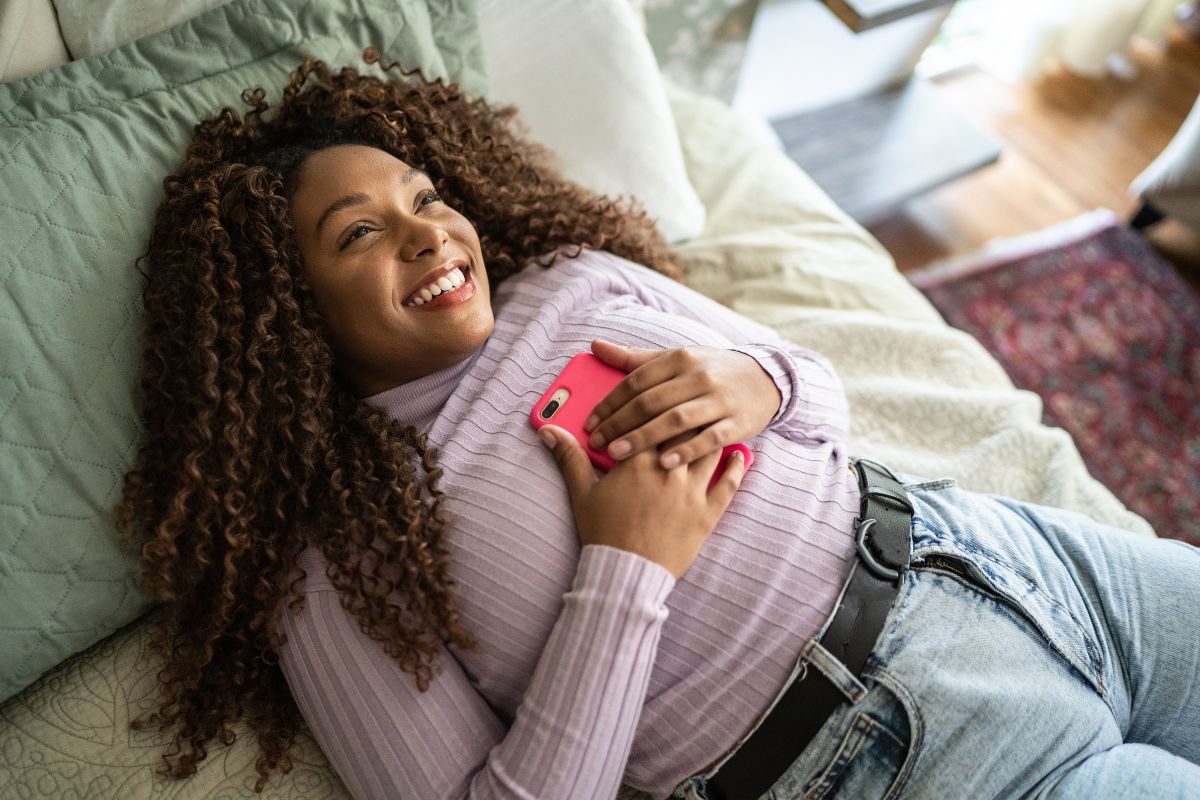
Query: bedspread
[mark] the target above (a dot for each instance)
(925, 398)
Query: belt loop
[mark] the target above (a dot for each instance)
(837, 672)
(885, 511)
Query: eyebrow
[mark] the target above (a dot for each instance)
(337, 205)
(412, 172)
(358, 197)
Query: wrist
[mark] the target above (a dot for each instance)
(772, 397)
(777, 366)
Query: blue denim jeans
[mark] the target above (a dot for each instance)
(1031, 652)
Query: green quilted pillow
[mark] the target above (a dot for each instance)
(83, 152)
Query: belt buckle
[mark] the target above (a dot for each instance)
(885, 573)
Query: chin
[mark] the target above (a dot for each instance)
(484, 329)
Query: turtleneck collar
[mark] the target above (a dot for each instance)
(418, 402)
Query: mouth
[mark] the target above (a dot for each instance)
(455, 285)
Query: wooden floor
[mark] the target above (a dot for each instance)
(1071, 144)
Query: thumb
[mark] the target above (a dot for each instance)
(572, 462)
(625, 358)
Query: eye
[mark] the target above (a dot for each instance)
(354, 234)
(430, 195)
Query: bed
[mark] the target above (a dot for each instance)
(751, 229)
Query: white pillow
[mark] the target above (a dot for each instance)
(29, 39)
(92, 27)
(585, 82)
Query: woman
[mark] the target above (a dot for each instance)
(344, 340)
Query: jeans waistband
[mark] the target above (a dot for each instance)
(838, 651)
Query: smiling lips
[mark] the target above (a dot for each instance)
(453, 288)
(447, 279)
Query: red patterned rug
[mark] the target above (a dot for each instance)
(1091, 318)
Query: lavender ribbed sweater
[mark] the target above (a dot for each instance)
(596, 666)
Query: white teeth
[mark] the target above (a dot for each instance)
(448, 282)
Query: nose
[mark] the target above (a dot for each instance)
(423, 238)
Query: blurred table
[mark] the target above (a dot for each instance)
(862, 15)
(873, 153)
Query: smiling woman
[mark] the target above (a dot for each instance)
(282, 276)
(348, 514)
(376, 237)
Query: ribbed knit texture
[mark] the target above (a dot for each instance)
(596, 666)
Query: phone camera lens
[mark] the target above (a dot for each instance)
(549, 410)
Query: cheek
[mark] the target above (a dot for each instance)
(350, 302)
(324, 296)
(461, 228)
(466, 234)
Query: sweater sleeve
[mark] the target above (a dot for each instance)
(813, 406)
(571, 736)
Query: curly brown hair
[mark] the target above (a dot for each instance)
(256, 447)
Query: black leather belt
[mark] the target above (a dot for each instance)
(884, 539)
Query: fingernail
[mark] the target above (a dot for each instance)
(619, 449)
(670, 461)
(591, 423)
(547, 436)
(596, 440)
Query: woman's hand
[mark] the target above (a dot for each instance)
(723, 394)
(664, 515)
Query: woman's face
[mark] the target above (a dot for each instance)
(373, 235)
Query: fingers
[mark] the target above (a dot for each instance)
(644, 377)
(653, 417)
(572, 461)
(674, 440)
(711, 439)
(706, 463)
(682, 433)
(707, 437)
(720, 495)
(622, 357)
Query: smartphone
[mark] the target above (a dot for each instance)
(583, 383)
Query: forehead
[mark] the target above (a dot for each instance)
(338, 176)
(351, 163)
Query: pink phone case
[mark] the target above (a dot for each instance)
(588, 380)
